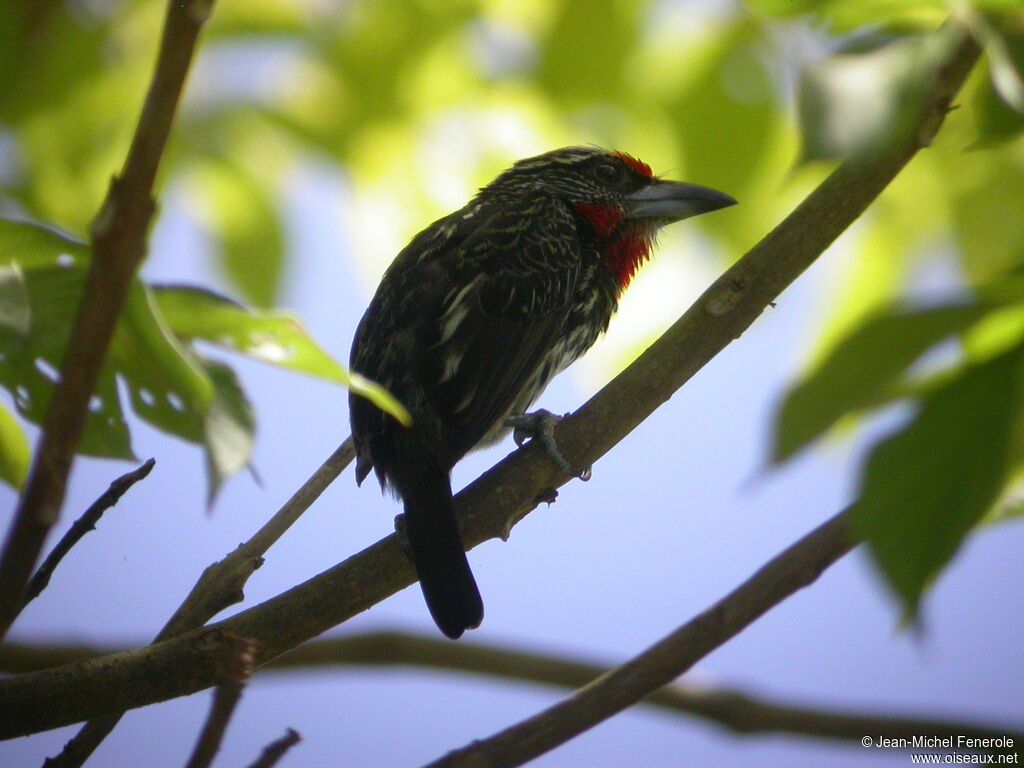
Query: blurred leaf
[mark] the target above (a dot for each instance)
(275, 337)
(378, 78)
(861, 368)
(853, 105)
(583, 59)
(14, 310)
(46, 51)
(730, 127)
(53, 267)
(997, 120)
(1003, 38)
(14, 450)
(244, 221)
(924, 488)
(166, 381)
(167, 384)
(228, 428)
(1011, 503)
(847, 15)
(380, 397)
(71, 101)
(988, 218)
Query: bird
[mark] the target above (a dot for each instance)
(475, 316)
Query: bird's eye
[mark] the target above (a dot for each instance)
(607, 173)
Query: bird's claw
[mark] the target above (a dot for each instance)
(540, 426)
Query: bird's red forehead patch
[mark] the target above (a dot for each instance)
(635, 164)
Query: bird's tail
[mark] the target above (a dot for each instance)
(438, 555)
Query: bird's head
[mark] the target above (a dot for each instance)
(616, 194)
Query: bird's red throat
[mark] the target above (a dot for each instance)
(623, 244)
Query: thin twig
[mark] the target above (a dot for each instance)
(118, 240)
(237, 655)
(275, 750)
(87, 522)
(219, 586)
(736, 710)
(40, 701)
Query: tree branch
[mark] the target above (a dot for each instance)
(119, 245)
(219, 586)
(237, 659)
(506, 492)
(731, 708)
(87, 522)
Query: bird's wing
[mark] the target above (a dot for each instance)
(512, 282)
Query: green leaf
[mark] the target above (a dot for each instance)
(274, 337)
(924, 488)
(855, 105)
(583, 61)
(727, 120)
(999, 102)
(861, 368)
(166, 381)
(53, 270)
(847, 15)
(228, 429)
(380, 397)
(168, 384)
(14, 450)
(997, 120)
(988, 218)
(244, 220)
(277, 338)
(1004, 41)
(14, 311)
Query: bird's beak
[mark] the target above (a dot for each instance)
(674, 200)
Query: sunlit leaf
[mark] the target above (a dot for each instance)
(14, 450)
(924, 488)
(272, 337)
(861, 368)
(380, 397)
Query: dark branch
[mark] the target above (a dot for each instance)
(735, 710)
(276, 749)
(118, 240)
(237, 656)
(506, 492)
(87, 522)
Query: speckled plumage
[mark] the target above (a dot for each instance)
(473, 319)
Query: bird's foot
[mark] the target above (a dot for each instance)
(540, 426)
